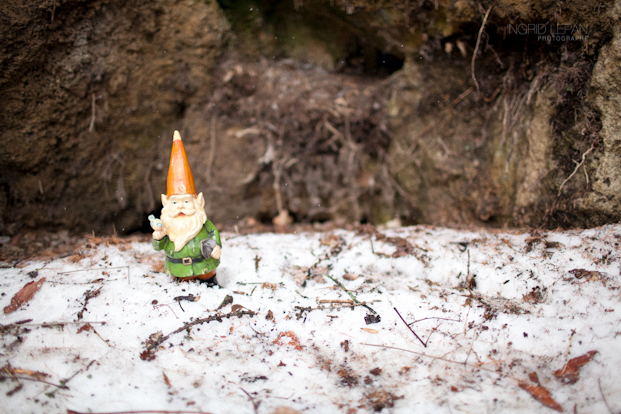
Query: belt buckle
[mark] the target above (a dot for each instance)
(186, 261)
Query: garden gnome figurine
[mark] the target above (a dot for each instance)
(190, 241)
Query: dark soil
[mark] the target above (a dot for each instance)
(360, 112)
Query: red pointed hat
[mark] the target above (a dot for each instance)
(180, 180)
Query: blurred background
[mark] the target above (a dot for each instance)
(446, 112)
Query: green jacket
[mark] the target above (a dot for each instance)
(191, 249)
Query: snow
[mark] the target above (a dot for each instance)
(524, 312)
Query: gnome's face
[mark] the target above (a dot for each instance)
(183, 217)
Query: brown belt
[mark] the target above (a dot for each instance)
(186, 260)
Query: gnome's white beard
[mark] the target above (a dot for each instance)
(182, 229)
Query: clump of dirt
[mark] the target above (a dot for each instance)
(290, 137)
(380, 399)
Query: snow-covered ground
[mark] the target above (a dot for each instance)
(493, 308)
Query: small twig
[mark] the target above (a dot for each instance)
(106, 341)
(434, 317)
(341, 305)
(335, 301)
(603, 396)
(475, 366)
(91, 127)
(476, 48)
(63, 384)
(142, 412)
(575, 170)
(411, 330)
(351, 295)
(45, 324)
(255, 404)
(96, 268)
(474, 338)
(468, 275)
(88, 295)
(15, 377)
(463, 95)
(167, 305)
(188, 325)
(189, 298)
(93, 268)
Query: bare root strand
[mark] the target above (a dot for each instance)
(212, 148)
(599, 383)
(476, 48)
(575, 171)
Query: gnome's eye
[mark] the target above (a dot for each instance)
(186, 201)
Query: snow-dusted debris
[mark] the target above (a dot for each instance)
(507, 323)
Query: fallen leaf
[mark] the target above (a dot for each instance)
(236, 308)
(372, 331)
(147, 355)
(349, 276)
(166, 380)
(24, 295)
(285, 410)
(569, 374)
(591, 275)
(294, 341)
(86, 327)
(533, 377)
(542, 395)
(158, 267)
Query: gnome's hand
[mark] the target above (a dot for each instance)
(217, 251)
(159, 234)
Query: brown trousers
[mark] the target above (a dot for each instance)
(206, 276)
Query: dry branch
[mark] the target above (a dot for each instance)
(217, 317)
(411, 330)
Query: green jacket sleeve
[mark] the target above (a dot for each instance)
(159, 244)
(213, 232)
